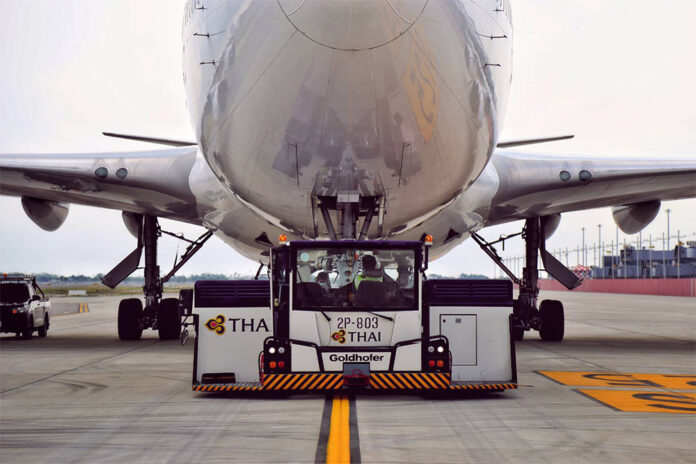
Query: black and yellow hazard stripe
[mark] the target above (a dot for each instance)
(299, 382)
(483, 386)
(227, 387)
(384, 381)
(409, 381)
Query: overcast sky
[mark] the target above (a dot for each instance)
(619, 75)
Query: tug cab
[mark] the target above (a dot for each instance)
(352, 314)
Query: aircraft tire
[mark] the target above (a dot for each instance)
(43, 330)
(130, 313)
(552, 321)
(168, 319)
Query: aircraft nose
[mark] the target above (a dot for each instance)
(352, 24)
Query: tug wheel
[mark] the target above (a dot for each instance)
(130, 313)
(168, 319)
(552, 321)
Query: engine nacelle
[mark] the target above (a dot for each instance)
(133, 222)
(549, 224)
(47, 214)
(633, 218)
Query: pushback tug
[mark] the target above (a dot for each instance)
(351, 314)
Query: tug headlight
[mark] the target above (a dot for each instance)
(281, 350)
(431, 349)
(271, 350)
(440, 349)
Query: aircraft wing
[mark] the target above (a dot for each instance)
(154, 182)
(540, 185)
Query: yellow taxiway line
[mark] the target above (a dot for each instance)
(338, 449)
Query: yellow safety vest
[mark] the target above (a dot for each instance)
(362, 277)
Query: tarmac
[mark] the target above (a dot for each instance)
(620, 388)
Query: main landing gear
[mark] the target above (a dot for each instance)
(548, 317)
(161, 314)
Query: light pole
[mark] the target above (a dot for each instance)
(625, 265)
(601, 250)
(650, 247)
(664, 267)
(639, 273)
(678, 255)
(583, 246)
(668, 211)
(613, 261)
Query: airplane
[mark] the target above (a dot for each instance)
(368, 119)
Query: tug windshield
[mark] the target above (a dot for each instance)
(340, 278)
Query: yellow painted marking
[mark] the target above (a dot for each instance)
(610, 379)
(420, 82)
(338, 449)
(645, 401)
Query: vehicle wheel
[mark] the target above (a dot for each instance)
(552, 321)
(43, 330)
(517, 333)
(28, 332)
(168, 319)
(130, 313)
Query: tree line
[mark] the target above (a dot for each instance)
(138, 280)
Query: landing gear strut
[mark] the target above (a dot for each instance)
(548, 317)
(158, 314)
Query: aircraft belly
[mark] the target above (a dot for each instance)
(417, 114)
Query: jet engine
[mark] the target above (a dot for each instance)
(133, 222)
(549, 224)
(633, 218)
(47, 214)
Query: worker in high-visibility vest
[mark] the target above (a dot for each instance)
(370, 271)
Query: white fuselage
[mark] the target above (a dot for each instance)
(285, 95)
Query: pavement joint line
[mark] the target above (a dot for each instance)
(541, 346)
(324, 430)
(637, 332)
(79, 367)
